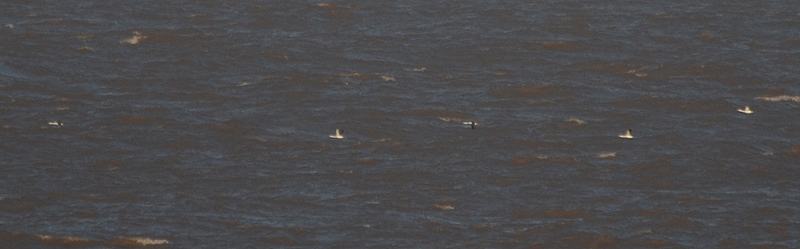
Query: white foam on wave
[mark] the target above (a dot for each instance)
(68, 240)
(449, 119)
(137, 37)
(780, 98)
(141, 241)
(443, 207)
(607, 155)
(575, 121)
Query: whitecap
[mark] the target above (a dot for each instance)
(141, 241)
(137, 37)
(780, 98)
(575, 121)
(449, 119)
(421, 69)
(443, 207)
(607, 155)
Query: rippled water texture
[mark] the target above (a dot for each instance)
(205, 124)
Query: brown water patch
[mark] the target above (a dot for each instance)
(7, 237)
(665, 185)
(654, 170)
(539, 246)
(280, 240)
(647, 213)
(166, 36)
(706, 105)
(530, 91)
(29, 36)
(205, 97)
(654, 243)
(795, 151)
(220, 128)
(769, 212)
(763, 171)
(401, 176)
(603, 199)
(563, 46)
(435, 227)
(616, 69)
(369, 161)
(740, 81)
(706, 70)
(690, 199)
(520, 214)
(780, 232)
(96, 138)
(65, 241)
(480, 228)
(332, 11)
(665, 39)
(678, 223)
(565, 214)
(586, 240)
(19, 204)
(505, 181)
(87, 214)
(434, 113)
(125, 120)
(515, 161)
(275, 56)
(66, 22)
(182, 145)
(105, 165)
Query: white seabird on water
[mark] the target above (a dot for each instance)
(471, 124)
(338, 134)
(56, 123)
(626, 135)
(746, 110)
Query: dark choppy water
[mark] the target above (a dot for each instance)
(204, 124)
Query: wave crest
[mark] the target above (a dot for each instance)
(780, 98)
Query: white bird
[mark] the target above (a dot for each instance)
(746, 110)
(56, 123)
(338, 134)
(626, 135)
(471, 124)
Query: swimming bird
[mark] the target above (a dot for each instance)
(626, 135)
(746, 110)
(338, 134)
(56, 123)
(471, 124)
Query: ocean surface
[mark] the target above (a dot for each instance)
(205, 124)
